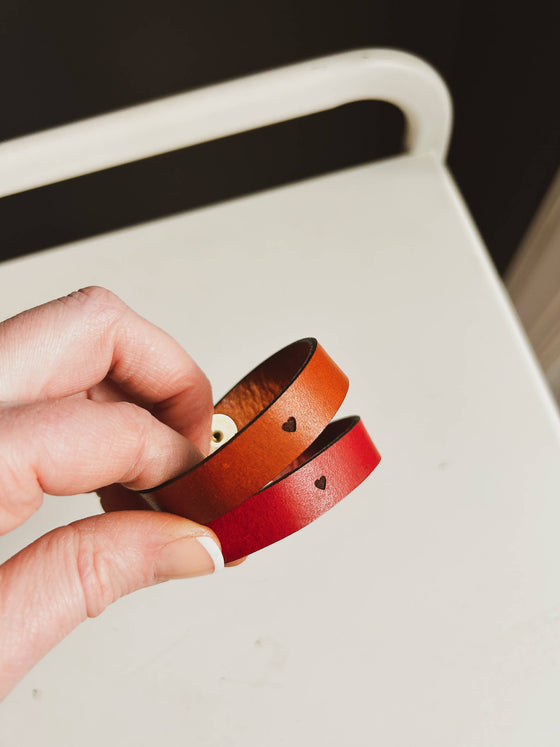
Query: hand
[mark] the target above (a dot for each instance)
(92, 395)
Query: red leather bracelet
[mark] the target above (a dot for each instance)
(279, 409)
(279, 416)
(336, 463)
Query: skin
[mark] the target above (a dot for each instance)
(92, 398)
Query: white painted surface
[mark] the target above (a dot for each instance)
(425, 608)
(239, 105)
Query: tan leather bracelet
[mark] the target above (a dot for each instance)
(279, 409)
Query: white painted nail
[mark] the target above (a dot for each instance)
(214, 551)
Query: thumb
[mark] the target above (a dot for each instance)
(76, 571)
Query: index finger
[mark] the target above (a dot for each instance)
(71, 344)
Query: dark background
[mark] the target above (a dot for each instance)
(62, 61)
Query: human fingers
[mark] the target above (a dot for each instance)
(116, 498)
(70, 446)
(76, 571)
(72, 344)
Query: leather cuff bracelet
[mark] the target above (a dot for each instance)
(279, 409)
(336, 463)
(274, 425)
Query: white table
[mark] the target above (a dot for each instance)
(425, 608)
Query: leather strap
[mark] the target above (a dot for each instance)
(279, 409)
(336, 463)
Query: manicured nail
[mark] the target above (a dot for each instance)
(188, 557)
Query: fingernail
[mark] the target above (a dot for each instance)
(188, 557)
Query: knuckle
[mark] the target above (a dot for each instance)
(137, 418)
(20, 495)
(97, 295)
(100, 306)
(95, 572)
(139, 423)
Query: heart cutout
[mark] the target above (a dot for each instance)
(321, 483)
(290, 425)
